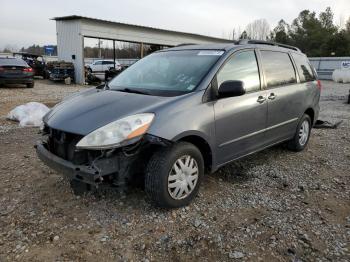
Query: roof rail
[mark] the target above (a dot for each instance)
(184, 44)
(262, 42)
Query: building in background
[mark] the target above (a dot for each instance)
(74, 31)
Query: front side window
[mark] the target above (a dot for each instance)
(98, 63)
(304, 69)
(278, 68)
(169, 71)
(243, 67)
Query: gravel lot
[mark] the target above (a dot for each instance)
(272, 206)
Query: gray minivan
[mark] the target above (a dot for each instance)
(180, 113)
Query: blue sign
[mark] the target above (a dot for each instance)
(49, 50)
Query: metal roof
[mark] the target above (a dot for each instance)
(76, 17)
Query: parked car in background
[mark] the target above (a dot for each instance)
(180, 113)
(16, 71)
(36, 62)
(100, 66)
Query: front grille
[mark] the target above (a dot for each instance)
(63, 145)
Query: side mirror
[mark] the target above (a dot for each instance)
(231, 88)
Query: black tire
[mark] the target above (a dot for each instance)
(294, 144)
(31, 85)
(158, 169)
(79, 188)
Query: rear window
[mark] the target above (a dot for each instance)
(278, 68)
(304, 69)
(12, 62)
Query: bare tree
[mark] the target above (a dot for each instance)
(258, 29)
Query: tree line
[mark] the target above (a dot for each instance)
(314, 35)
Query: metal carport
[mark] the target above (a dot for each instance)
(71, 31)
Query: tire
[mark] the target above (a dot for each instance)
(298, 144)
(79, 188)
(31, 85)
(162, 165)
(90, 70)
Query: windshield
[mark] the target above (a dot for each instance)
(167, 72)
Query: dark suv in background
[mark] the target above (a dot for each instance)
(181, 112)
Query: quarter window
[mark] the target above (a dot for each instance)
(304, 69)
(278, 68)
(243, 67)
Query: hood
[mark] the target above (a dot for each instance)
(86, 111)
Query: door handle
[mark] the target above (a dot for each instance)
(272, 96)
(261, 99)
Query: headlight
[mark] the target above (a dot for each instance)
(117, 132)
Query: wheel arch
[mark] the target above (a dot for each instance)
(198, 140)
(311, 113)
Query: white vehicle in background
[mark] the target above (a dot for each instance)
(100, 66)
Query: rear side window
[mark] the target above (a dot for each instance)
(278, 68)
(12, 62)
(304, 69)
(242, 66)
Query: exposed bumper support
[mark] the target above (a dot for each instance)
(86, 174)
(115, 166)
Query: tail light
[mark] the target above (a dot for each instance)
(28, 70)
(319, 85)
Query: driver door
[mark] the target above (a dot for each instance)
(240, 121)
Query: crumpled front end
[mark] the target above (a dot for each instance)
(116, 166)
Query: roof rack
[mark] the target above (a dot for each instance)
(261, 42)
(184, 44)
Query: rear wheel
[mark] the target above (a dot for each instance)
(174, 174)
(302, 135)
(31, 85)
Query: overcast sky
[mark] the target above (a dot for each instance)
(23, 23)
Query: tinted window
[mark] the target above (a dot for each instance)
(12, 62)
(304, 69)
(278, 68)
(107, 62)
(243, 67)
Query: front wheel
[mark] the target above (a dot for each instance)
(174, 174)
(302, 135)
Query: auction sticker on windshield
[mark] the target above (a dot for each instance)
(211, 52)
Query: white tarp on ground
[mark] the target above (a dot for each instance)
(341, 75)
(29, 114)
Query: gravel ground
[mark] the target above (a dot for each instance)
(272, 206)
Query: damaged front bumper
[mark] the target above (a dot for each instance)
(115, 166)
(86, 174)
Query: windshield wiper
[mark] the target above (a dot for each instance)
(136, 91)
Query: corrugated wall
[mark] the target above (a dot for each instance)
(69, 44)
(326, 65)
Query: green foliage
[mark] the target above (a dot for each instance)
(314, 35)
